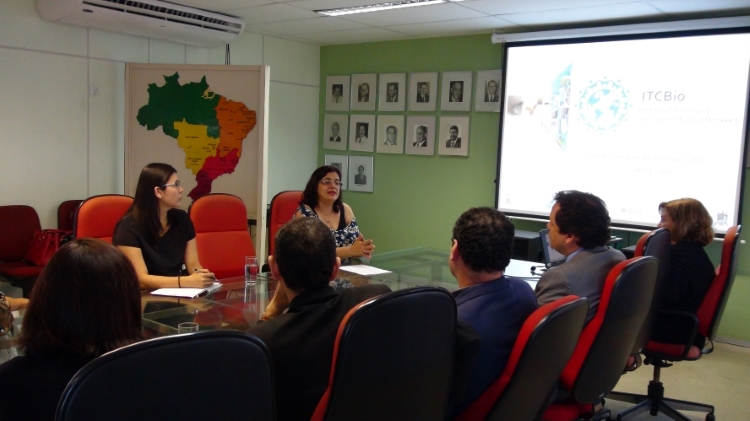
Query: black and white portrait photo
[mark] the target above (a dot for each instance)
(390, 134)
(420, 135)
(337, 93)
(423, 88)
(334, 131)
(361, 175)
(360, 178)
(392, 92)
(454, 136)
(342, 163)
(456, 91)
(363, 91)
(488, 91)
(362, 133)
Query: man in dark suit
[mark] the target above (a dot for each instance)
(334, 133)
(301, 339)
(421, 138)
(490, 94)
(423, 95)
(454, 141)
(360, 178)
(579, 229)
(495, 305)
(457, 92)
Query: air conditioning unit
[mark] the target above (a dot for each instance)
(146, 18)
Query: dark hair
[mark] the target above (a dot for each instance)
(690, 221)
(485, 239)
(310, 195)
(85, 302)
(424, 129)
(584, 215)
(145, 207)
(454, 127)
(305, 252)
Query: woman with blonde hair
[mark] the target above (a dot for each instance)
(691, 271)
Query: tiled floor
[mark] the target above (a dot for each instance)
(721, 379)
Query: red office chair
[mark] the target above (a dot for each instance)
(283, 207)
(706, 321)
(393, 359)
(98, 216)
(66, 214)
(544, 345)
(17, 226)
(221, 234)
(607, 341)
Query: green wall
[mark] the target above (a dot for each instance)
(417, 199)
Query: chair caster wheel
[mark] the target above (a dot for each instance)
(710, 417)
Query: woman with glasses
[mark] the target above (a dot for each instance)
(157, 236)
(322, 199)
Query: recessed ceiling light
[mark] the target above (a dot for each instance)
(381, 6)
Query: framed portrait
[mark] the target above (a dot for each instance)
(362, 132)
(454, 136)
(420, 135)
(337, 93)
(390, 134)
(423, 91)
(342, 163)
(392, 92)
(487, 96)
(361, 176)
(456, 91)
(335, 130)
(364, 90)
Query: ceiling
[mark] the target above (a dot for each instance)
(295, 19)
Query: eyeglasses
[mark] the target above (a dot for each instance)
(175, 184)
(328, 182)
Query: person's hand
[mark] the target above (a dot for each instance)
(202, 278)
(278, 304)
(17, 303)
(361, 247)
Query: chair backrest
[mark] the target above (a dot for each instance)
(17, 226)
(98, 216)
(283, 206)
(221, 234)
(379, 372)
(66, 214)
(657, 243)
(543, 347)
(712, 307)
(607, 340)
(213, 375)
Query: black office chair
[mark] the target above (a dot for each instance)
(393, 359)
(214, 375)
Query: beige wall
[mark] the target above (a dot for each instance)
(58, 142)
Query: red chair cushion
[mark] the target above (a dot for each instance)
(19, 269)
(566, 410)
(674, 350)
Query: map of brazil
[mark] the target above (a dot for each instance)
(208, 127)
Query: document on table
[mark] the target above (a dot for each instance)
(364, 270)
(186, 292)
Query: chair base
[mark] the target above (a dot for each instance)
(655, 403)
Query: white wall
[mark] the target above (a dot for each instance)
(57, 142)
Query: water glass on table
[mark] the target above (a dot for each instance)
(187, 327)
(251, 268)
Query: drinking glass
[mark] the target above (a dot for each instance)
(187, 327)
(251, 267)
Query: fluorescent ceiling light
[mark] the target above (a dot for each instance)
(381, 6)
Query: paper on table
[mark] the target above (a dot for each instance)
(186, 292)
(364, 270)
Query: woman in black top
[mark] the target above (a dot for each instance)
(691, 271)
(157, 236)
(86, 302)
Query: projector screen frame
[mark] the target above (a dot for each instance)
(628, 36)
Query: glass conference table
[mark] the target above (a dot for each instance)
(239, 303)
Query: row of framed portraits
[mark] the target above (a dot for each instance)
(389, 91)
(362, 174)
(387, 134)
